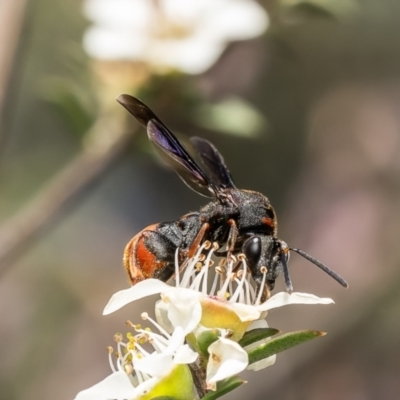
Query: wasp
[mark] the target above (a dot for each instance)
(243, 220)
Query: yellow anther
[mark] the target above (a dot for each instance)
(219, 270)
(164, 298)
(143, 340)
(198, 266)
(130, 346)
(229, 333)
(118, 337)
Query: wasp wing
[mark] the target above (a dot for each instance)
(169, 146)
(214, 163)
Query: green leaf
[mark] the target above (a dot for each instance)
(206, 338)
(233, 116)
(257, 334)
(313, 10)
(224, 387)
(282, 343)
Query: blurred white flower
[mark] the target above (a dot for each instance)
(139, 372)
(170, 34)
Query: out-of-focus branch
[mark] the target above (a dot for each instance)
(12, 22)
(107, 141)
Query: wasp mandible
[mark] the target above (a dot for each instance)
(243, 220)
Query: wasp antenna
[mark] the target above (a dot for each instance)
(288, 281)
(324, 268)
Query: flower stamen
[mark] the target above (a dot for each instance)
(264, 271)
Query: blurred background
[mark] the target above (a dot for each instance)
(301, 97)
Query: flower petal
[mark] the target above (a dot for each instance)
(284, 299)
(155, 364)
(221, 314)
(184, 308)
(259, 365)
(227, 358)
(142, 289)
(161, 312)
(236, 20)
(117, 13)
(185, 355)
(115, 386)
(245, 312)
(114, 44)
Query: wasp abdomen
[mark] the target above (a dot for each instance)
(149, 254)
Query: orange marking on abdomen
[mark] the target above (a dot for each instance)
(139, 263)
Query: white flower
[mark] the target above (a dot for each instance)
(139, 372)
(116, 386)
(229, 302)
(170, 34)
(226, 359)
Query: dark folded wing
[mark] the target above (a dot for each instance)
(214, 163)
(169, 146)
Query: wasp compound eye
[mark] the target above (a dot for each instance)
(252, 250)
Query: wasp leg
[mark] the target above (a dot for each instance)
(232, 237)
(198, 239)
(186, 255)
